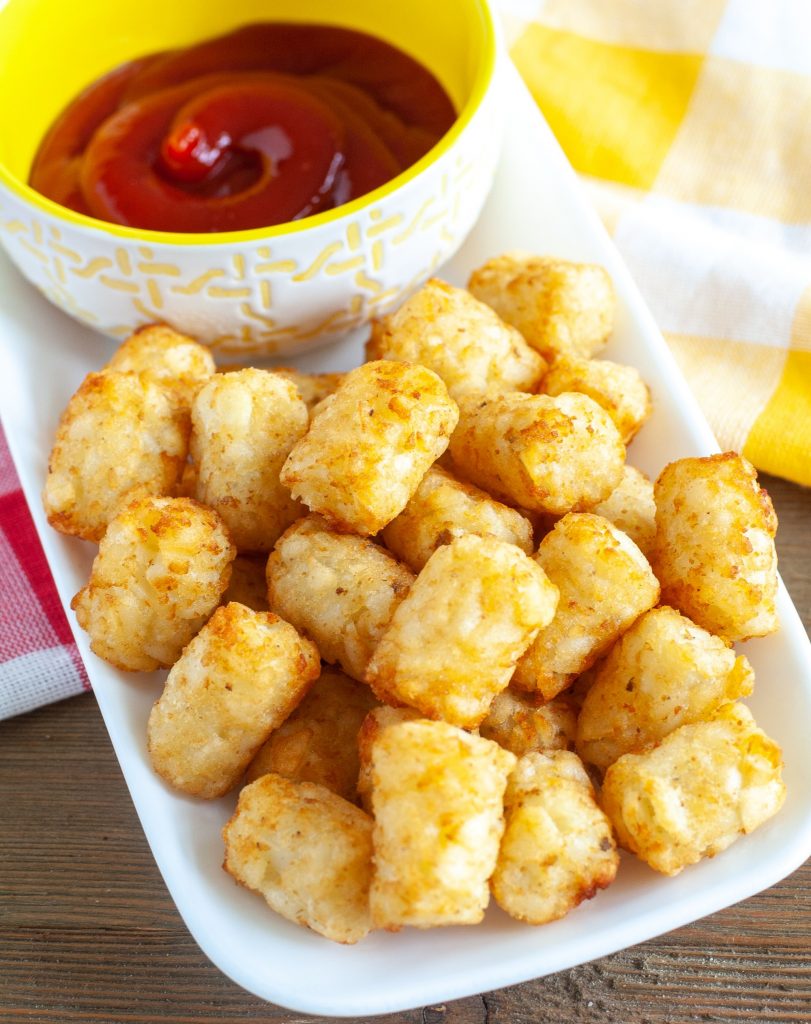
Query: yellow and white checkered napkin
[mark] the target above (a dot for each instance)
(690, 124)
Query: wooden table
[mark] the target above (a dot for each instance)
(88, 932)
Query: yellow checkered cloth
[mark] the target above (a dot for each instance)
(690, 124)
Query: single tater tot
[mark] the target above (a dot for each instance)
(618, 389)
(460, 339)
(312, 387)
(338, 589)
(121, 436)
(558, 848)
(631, 508)
(663, 673)
(547, 454)
(370, 443)
(236, 682)
(373, 724)
(307, 851)
(696, 792)
(247, 584)
(443, 508)
(319, 741)
(165, 355)
(454, 641)
(437, 797)
(161, 569)
(714, 552)
(604, 582)
(558, 306)
(244, 425)
(520, 723)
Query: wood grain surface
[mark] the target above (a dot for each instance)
(89, 934)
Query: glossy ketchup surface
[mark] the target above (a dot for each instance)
(271, 123)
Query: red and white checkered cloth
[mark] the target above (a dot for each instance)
(39, 662)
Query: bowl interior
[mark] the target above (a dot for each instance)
(50, 50)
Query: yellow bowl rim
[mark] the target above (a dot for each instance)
(484, 75)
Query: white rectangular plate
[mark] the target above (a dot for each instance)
(536, 204)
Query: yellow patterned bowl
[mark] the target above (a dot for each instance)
(271, 290)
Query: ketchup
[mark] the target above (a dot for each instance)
(268, 124)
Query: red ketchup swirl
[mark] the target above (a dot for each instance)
(269, 124)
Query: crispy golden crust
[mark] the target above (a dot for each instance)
(165, 355)
(696, 792)
(437, 797)
(307, 851)
(663, 673)
(631, 508)
(312, 387)
(244, 425)
(714, 552)
(443, 508)
(370, 443)
(121, 436)
(453, 643)
(247, 584)
(460, 339)
(521, 723)
(236, 681)
(373, 724)
(338, 589)
(605, 583)
(319, 741)
(161, 569)
(618, 389)
(558, 306)
(558, 848)
(547, 454)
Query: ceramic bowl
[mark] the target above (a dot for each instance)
(271, 290)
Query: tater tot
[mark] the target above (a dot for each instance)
(631, 508)
(437, 796)
(454, 641)
(373, 724)
(618, 389)
(370, 443)
(247, 584)
(460, 339)
(121, 436)
(235, 682)
(319, 741)
(605, 583)
(663, 673)
(161, 569)
(696, 792)
(558, 847)
(312, 387)
(558, 306)
(165, 355)
(521, 723)
(443, 508)
(714, 552)
(244, 425)
(338, 589)
(546, 454)
(307, 851)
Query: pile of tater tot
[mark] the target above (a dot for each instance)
(445, 639)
